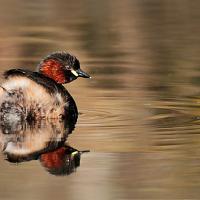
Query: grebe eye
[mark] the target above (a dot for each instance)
(67, 67)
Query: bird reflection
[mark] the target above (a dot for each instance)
(63, 160)
(41, 140)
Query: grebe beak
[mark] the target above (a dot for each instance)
(80, 73)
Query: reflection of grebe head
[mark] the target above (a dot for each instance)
(61, 67)
(62, 161)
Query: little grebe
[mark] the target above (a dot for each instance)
(27, 95)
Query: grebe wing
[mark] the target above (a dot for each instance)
(50, 85)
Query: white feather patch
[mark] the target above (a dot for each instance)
(35, 94)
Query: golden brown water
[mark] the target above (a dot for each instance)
(140, 112)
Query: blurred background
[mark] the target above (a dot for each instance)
(140, 112)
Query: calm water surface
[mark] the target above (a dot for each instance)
(140, 112)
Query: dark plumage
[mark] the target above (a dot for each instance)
(64, 58)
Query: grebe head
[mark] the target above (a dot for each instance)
(61, 67)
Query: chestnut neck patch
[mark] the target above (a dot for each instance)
(54, 70)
